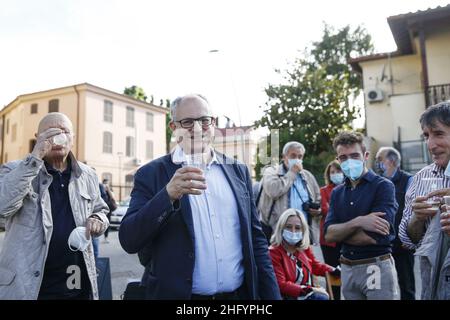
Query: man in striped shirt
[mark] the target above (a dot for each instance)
(421, 227)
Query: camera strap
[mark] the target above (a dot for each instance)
(305, 187)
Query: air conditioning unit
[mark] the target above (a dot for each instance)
(137, 162)
(375, 95)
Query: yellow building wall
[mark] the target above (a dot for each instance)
(401, 94)
(438, 56)
(406, 110)
(14, 150)
(89, 129)
(94, 126)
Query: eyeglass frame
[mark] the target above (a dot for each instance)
(212, 120)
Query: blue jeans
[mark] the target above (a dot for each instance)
(95, 245)
(318, 296)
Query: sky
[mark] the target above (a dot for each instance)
(165, 46)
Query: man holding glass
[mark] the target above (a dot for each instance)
(426, 226)
(50, 200)
(194, 210)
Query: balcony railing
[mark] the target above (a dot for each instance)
(436, 94)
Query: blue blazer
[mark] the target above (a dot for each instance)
(153, 222)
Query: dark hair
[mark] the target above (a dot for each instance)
(348, 138)
(335, 164)
(439, 112)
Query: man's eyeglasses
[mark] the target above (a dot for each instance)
(188, 123)
(355, 156)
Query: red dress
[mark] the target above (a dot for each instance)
(294, 271)
(325, 193)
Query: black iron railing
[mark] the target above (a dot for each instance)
(414, 153)
(436, 94)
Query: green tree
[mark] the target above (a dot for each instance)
(316, 100)
(136, 92)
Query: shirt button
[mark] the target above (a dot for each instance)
(62, 186)
(191, 255)
(37, 274)
(33, 164)
(217, 236)
(351, 203)
(44, 182)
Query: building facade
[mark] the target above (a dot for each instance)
(114, 133)
(400, 85)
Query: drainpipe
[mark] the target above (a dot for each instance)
(78, 122)
(423, 56)
(3, 139)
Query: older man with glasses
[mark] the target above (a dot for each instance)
(193, 212)
(424, 226)
(361, 216)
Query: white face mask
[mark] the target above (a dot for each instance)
(77, 240)
(293, 162)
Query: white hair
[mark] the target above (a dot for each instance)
(277, 237)
(392, 154)
(291, 145)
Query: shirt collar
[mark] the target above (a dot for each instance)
(437, 170)
(179, 157)
(369, 176)
(52, 170)
(395, 176)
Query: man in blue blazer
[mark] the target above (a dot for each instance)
(193, 210)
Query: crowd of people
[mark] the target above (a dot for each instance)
(203, 231)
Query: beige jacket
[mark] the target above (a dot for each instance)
(276, 185)
(25, 203)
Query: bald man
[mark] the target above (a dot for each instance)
(199, 226)
(49, 200)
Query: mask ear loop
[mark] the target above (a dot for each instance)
(68, 241)
(80, 240)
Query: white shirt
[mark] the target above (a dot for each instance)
(218, 248)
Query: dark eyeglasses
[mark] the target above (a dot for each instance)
(188, 123)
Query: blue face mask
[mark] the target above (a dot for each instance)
(337, 178)
(381, 167)
(293, 162)
(353, 168)
(292, 237)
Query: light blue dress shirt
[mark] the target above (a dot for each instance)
(218, 248)
(299, 196)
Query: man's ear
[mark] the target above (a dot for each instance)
(172, 125)
(35, 135)
(366, 155)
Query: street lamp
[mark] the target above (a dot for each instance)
(235, 99)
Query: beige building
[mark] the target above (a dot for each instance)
(114, 133)
(399, 85)
(240, 143)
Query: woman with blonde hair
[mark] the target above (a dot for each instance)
(293, 260)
